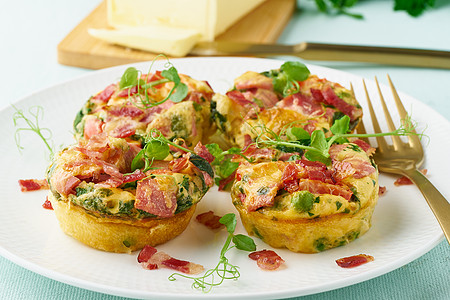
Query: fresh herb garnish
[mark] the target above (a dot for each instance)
(132, 78)
(156, 148)
(32, 123)
(224, 269)
(413, 8)
(318, 147)
(224, 166)
(285, 80)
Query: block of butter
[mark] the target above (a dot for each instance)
(208, 17)
(159, 39)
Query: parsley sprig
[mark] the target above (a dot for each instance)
(133, 78)
(224, 270)
(413, 8)
(32, 124)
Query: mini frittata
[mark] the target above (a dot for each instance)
(307, 206)
(132, 112)
(257, 99)
(102, 202)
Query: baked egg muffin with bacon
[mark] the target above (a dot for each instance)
(289, 96)
(101, 201)
(175, 104)
(308, 206)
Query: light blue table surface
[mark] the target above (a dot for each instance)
(31, 30)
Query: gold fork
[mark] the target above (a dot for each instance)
(405, 158)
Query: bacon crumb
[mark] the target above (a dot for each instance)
(381, 190)
(406, 181)
(47, 204)
(210, 220)
(151, 259)
(28, 185)
(267, 259)
(354, 261)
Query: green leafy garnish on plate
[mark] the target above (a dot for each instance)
(224, 269)
(32, 124)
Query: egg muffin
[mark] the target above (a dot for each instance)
(257, 99)
(307, 206)
(99, 200)
(132, 112)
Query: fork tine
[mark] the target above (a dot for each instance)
(360, 128)
(414, 140)
(396, 141)
(382, 145)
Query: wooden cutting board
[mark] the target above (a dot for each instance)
(79, 49)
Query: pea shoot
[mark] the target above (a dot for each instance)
(285, 80)
(32, 123)
(316, 147)
(224, 269)
(132, 78)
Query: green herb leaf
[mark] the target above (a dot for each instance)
(180, 93)
(215, 151)
(229, 220)
(202, 164)
(413, 8)
(226, 168)
(244, 242)
(129, 78)
(295, 70)
(156, 150)
(297, 134)
(341, 126)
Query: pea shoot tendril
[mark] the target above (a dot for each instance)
(224, 270)
(32, 123)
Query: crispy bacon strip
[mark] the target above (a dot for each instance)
(28, 185)
(210, 220)
(406, 181)
(151, 259)
(47, 204)
(267, 259)
(354, 261)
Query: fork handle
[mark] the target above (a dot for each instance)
(438, 204)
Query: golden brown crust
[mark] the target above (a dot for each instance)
(308, 235)
(115, 235)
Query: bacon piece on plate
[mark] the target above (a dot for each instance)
(267, 259)
(47, 204)
(28, 185)
(381, 190)
(354, 261)
(151, 259)
(210, 220)
(406, 181)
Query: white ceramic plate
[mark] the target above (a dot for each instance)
(403, 226)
